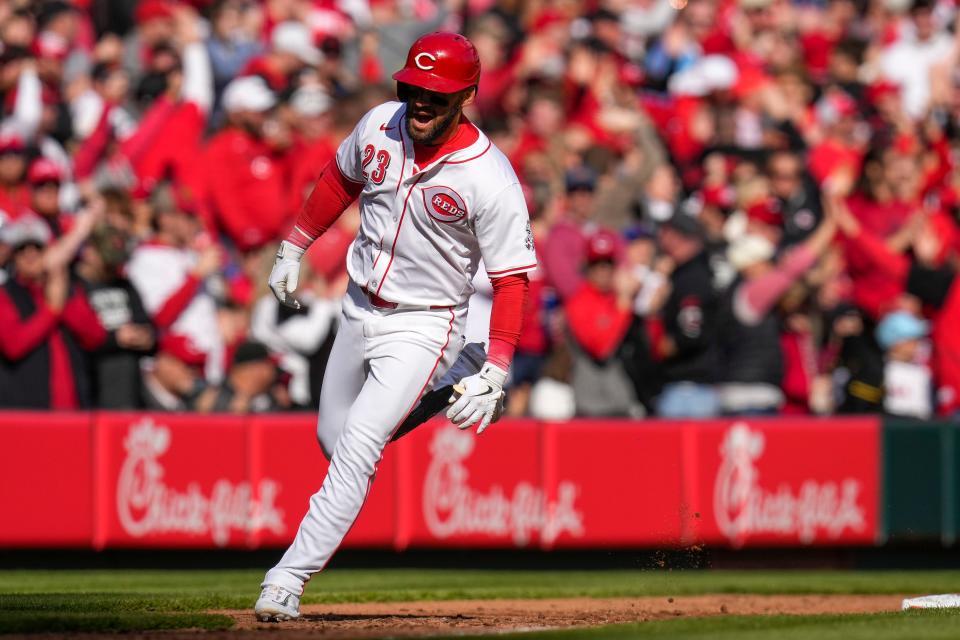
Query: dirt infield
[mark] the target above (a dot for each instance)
(466, 617)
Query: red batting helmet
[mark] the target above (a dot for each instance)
(442, 62)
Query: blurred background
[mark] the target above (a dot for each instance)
(680, 161)
(742, 209)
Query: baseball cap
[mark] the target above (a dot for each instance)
(249, 93)
(44, 170)
(250, 352)
(11, 142)
(295, 38)
(835, 105)
(311, 101)
(749, 250)
(900, 326)
(50, 46)
(881, 89)
(601, 246)
(711, 73)
(149, 10)
(766, 211)
(581, 178)
(28, 228)
(685, 222)
(183, 348)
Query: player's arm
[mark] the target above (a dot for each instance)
(506, 317)
(503, 232)
(330, 197)
(479, 396)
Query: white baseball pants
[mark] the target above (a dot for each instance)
(382, 361)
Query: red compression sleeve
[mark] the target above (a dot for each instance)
(330, 197)
(509, 296)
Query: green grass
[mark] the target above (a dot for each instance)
(913, 625)
(132, 600)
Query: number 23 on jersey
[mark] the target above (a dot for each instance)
(383, 161)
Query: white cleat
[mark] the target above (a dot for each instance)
(276, 604)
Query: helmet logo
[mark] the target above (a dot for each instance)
(422, 65)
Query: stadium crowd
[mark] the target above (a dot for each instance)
(740, 206)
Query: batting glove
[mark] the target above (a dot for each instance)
(478, 398)
(286, 274)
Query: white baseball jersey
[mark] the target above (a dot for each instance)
(423, 229)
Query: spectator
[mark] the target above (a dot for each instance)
(910, 60)
(650, 275)
(155, 25)
(314, 145)
(292, 49)
(116, 365)
(172, 274)
(533, 348)
(176, 97)
(14, 194)
(907, 384)
(552, 397)
(44, 179)
(300, 338)
(797, 196)
(231, 43)
(565, 251)
(858, 370)
(686, 344)
(175, 378)
(933, 281)
(248, 384)
(749, 333)
(48, 326)
(599, 315)
(246, 168)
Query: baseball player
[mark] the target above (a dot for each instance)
(436, 196)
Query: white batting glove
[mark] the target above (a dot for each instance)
(286, 274)
(478, 398)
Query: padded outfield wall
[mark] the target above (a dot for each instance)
(121, 480)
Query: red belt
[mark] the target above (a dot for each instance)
(380, 303)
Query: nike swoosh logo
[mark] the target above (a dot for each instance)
(384, 127)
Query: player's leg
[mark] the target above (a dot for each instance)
(344, 375)
(468, 363)
(405, 352)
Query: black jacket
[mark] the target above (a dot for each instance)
(690, 319)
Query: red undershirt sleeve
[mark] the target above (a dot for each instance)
(330, 197)
(506, 317)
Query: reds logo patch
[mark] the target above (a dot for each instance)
(443, 204)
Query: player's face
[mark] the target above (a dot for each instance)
(431, 114)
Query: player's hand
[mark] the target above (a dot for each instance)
(286, 274)
(478, 398)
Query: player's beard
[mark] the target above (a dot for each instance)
(438, 129)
